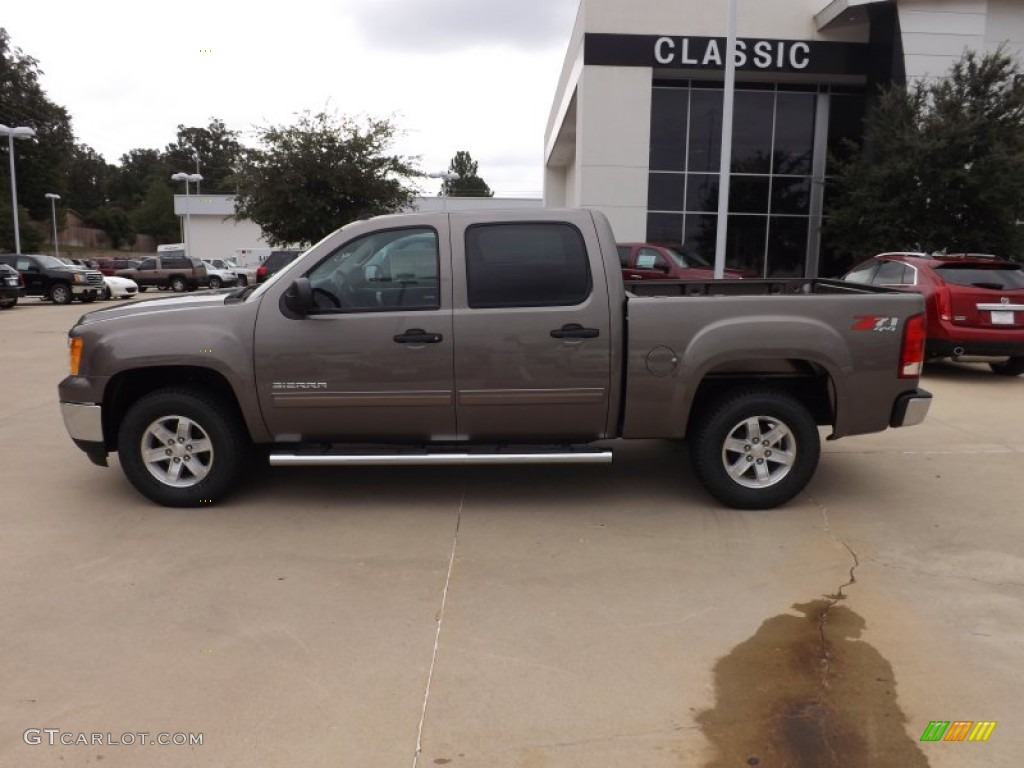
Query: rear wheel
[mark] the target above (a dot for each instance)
(60, 293)
(181, 448)
(178, 284)
(1014, 366)
(243, 281)
(8, 304)
(215, 283)
(756, 449)
(142, 288)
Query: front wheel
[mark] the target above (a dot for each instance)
(215, 283)
(756, 449)
(1011, 367)
(106, 293)
(61, 293)
(8, 304)
(181, 448)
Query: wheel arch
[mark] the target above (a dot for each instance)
(127, 387)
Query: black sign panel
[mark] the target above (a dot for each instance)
(752, 55)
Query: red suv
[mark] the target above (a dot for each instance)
(647, 261)
(975, 302)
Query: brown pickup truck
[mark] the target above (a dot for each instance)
(475, 337)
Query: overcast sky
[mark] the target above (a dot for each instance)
(477, 75)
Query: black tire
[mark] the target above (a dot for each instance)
(60, 293)
(106, 293)
(169, 410)
(725, 424)
(142, 288)
(8, 304)
(179, 284)
(215, 283)
(1011, 367)
(242, 281)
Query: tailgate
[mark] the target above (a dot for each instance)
(984, 296)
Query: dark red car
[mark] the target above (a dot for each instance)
(647, 261)
(975, 302)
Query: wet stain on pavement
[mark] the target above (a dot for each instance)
(806, 692)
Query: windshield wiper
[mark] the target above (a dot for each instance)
(239, 294)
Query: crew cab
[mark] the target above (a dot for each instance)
(974, 303)
(489, 337)
(172, 269)
(50, 278)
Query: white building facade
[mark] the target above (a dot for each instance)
(635, 127)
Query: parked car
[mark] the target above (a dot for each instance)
(110, 266)
(488, 337)
(647, 261)
(246, 275)
(172, 270)
(274, 262)
(50, 278)
(218, 275)
(119, 287)
(12, 287)
(975, 303)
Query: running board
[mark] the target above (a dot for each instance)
(438, 458)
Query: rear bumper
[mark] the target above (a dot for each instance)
(911, 408)
(974, 346)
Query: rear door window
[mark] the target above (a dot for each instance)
(528, 264)
(894, 273)
(863, 273)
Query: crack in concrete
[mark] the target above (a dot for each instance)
(833, 599)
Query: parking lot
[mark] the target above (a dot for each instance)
(521, 616)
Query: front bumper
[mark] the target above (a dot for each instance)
(911, 408)
(84, 423)
(84, 290)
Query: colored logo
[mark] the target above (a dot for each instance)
(958, 730)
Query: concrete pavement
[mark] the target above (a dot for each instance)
(562, 616)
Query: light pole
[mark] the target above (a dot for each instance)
(187, 177)
(53, 197)
(446, 176)
(21, 132)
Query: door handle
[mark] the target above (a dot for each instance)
(418, 336)
(575, 331)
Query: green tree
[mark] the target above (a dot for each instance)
(218, 152)
(469, 183)
(88, 178)
(137, 170)
(155, 214)
(310, 178)
(114, 221)
(39, 164)
(942, 166)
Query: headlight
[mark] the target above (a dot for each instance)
(79, 277)
(75, 352)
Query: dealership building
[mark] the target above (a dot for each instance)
(635, 127)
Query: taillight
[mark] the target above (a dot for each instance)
(261, 272)
(915, 334)
(945, 303)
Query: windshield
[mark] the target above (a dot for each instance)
(53, 261)
(686, 257)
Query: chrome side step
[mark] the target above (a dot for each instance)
(438, 458)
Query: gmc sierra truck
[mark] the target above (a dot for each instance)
(488, 337)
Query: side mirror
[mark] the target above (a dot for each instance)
(661, 266)
(299, 298)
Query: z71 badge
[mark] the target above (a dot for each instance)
(876, 323)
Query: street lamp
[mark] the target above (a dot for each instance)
(53, 197)
(446, 176)
(21, 132)
(187, 177)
